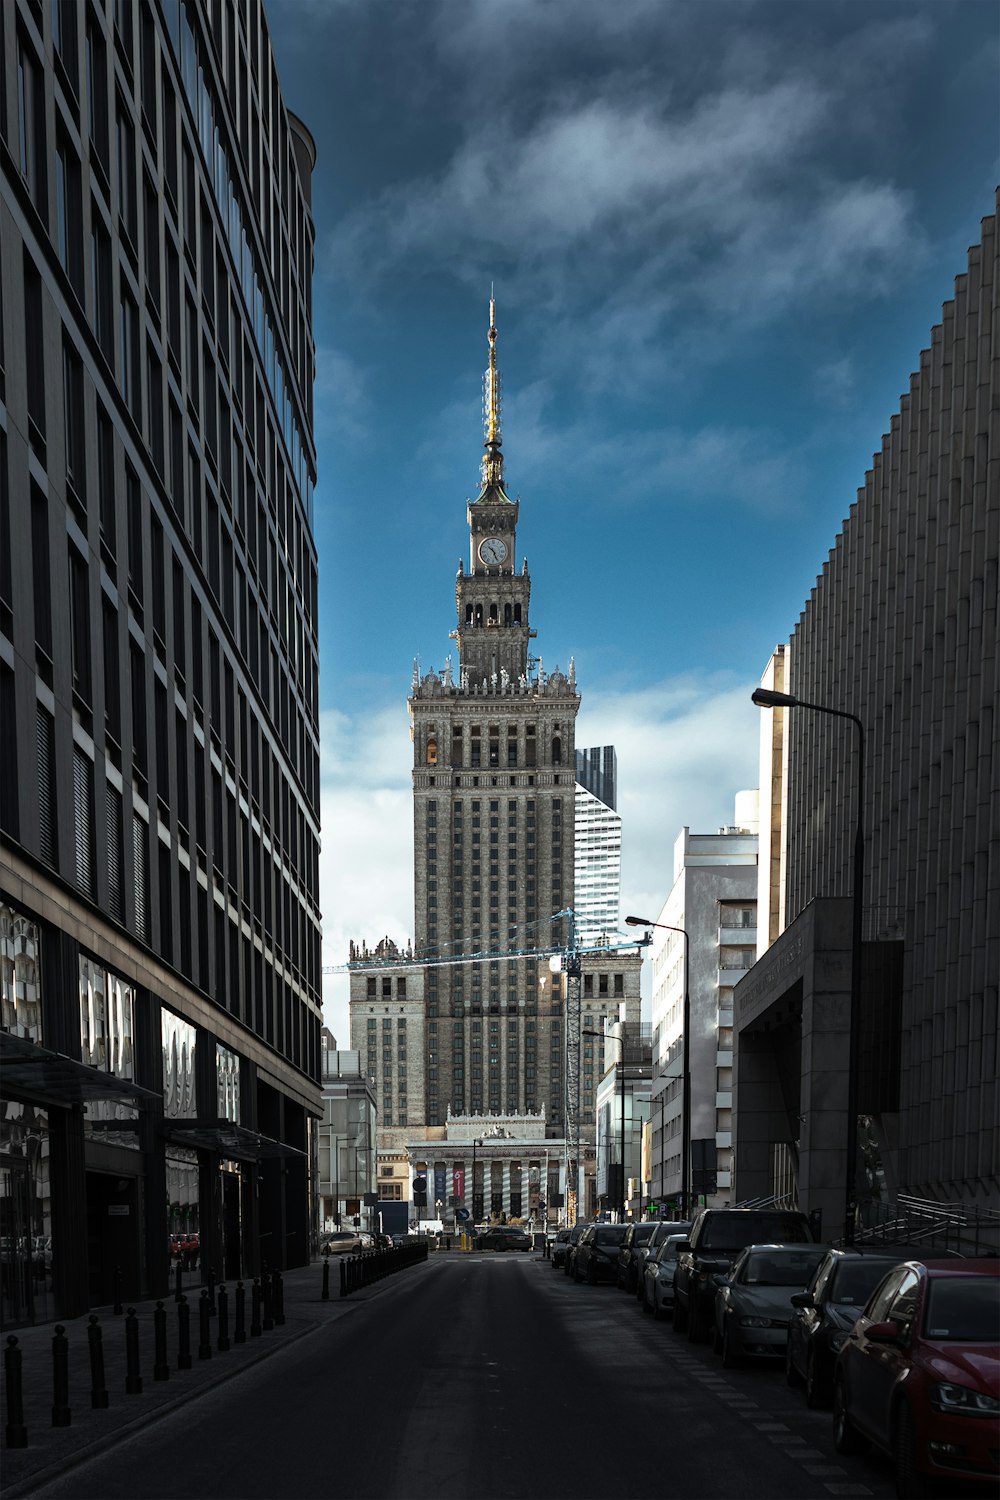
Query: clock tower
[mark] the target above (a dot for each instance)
(492, 599)
(493, 824)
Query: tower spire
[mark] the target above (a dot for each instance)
(492, 466)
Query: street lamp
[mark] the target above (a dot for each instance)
(767, 698)
(604, 1036)
(686, 1102)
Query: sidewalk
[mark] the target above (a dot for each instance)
(51, 1450)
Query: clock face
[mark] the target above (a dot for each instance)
(493, 550)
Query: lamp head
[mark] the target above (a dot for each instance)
(639, 922)
(767, 698)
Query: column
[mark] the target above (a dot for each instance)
(505, 1169)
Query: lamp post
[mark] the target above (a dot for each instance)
(605, 1036)
(767, 698)
(477, 1141)
(686, 1055)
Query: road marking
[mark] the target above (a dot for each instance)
(847, 1489)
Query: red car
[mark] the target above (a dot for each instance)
(919, 1375)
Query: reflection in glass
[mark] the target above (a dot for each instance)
(179, 1039)
(227, 1075)
(107, 1020)
(184, 1221)
(25, 1214)
(20, 975)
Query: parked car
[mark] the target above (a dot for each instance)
(636, 1236)
(597, 1253)
(665, 1229)
(657, 1286)
(823, 1315)
(753, 1303)
(558, 1252)
(716, 1238)
(575, 1235)
(919, 1374)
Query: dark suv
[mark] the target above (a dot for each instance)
(716, 1238)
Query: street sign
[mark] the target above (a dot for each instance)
(462, 1215)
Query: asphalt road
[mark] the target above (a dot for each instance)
(488, 1376)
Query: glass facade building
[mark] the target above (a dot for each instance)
(159, 781)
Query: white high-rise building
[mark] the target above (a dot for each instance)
(598, 856)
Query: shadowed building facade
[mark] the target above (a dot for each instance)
(159, 802)
(901, 630)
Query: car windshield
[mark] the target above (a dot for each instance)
(667, 1251)
(773, 1269)
(855, 1280)
(643, 1233)
(610, 1234)
(737, 1230)
(965, 1309)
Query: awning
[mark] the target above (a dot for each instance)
(222, 1136)
(51, 1078)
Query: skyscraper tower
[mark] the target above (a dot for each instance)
(598, 846)
(493, 806)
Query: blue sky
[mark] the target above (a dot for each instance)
(720, 234)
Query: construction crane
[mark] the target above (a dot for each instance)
(570, 956)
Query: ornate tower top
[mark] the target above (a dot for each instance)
(492, 466)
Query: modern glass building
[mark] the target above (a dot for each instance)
(159, 798)
(598, 847)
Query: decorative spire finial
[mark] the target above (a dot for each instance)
(492, 456)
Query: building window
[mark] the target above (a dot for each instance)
(227, 1079)
(20, 975)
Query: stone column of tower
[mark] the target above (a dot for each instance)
(493, 808)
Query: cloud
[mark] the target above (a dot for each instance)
(342, 401)
(685, 746)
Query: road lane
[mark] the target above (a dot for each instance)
(489, 1376)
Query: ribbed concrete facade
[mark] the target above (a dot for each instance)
(901, 630)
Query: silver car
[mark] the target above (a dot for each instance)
(658, 1277)
(754, 1302)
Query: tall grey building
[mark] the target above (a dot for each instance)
(159, 797)
(900, 630)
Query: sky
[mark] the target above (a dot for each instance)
(719, 235)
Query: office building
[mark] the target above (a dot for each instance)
(346, 1165)
(159, 798)
(900, 631)
(713, 900)
(598, 858)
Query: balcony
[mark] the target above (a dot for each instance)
(724, 1099)
(726, 979)
(723, 1140)
(724, 1059)
(738, 936)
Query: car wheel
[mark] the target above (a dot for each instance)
(817, 1395)
(731, 1356)
(792, 1376)
(846, 1437)
(911, 1482)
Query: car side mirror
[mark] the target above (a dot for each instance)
(882, 1333)
(801, 1299)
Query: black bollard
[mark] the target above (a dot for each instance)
(240, 1332)
(178, 1281)
(61, 1416)
(343, 1275)
(325, 1294)
(255, 1309)
(98, 1390)
(183, 1335)
(17, 1433)
(204, 1326)
(118, 1291)
(161, 1369)
(222, 1341)
(133, 1380)
(211, 1290)
(279, 1299)
(268, 1291)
